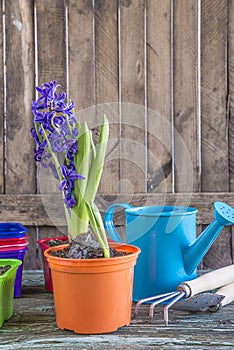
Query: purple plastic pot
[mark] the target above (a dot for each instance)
(19, 255)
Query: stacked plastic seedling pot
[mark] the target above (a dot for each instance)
(13, 245)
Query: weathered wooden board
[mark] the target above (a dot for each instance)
(81, 74)
(230, 107)
(159, 78)
(33, 325)
(107, 86)
(51, 41)
(19, 65)
(20, 168)
(2, 114)
(185, 93)
(132, 91)
(214, 141)
(215, 175)
(33, 212)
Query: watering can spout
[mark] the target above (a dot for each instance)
(223, 216)
(197, 250)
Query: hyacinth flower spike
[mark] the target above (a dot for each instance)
(59, 136)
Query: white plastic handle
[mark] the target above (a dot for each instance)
(209, 281)
(228, 293)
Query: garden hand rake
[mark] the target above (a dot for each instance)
(209, 281)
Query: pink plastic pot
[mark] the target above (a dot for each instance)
(15, 240)
(46, 269)
(6, 248)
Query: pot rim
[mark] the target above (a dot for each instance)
(14, 263)
(113, 260)
(161, 211)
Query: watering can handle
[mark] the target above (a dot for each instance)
(108, 220)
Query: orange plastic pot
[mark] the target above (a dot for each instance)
(93, 295)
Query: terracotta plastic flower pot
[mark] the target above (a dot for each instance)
(46, 269)
(93, 295)
(7, 281)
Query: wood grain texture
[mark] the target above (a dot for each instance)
(51, 41)
(33, 325)
(185, 91)
(20, 165)
(158, 36)
(215, 176)
(107, 86)
(230, 107)
(30, 258)
(81, 53)
(132, 86)
(215, 167)
(29, 209)
(230, 101)
(1, 106)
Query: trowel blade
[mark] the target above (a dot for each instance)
(203, 302)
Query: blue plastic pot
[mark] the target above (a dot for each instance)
(12, 229)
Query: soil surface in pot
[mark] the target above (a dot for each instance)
(55, 242)
(4, 269)
(85, 246)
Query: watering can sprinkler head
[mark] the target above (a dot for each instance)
(223, 213)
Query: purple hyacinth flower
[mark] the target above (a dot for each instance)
(69, 200)
(47, 92)
(46, 159)
(69, 176)
(58, 142)
(38, 154)
(34, 134)
(72, 149)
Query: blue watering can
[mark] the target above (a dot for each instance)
(166, 235)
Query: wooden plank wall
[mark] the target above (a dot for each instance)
(169, 62)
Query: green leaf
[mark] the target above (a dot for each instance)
(98, 227)
(97, 162)
(82, 162)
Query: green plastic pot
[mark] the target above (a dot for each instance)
(7, 281)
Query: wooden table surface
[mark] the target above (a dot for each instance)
(33, 326)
